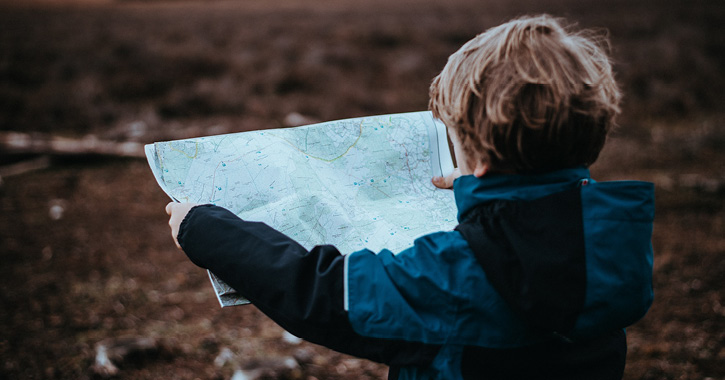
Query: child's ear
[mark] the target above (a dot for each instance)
(480, 170)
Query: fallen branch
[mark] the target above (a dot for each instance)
(22, 167)
(16, 142)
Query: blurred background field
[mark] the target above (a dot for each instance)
(85, 256)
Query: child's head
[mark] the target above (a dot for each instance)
(528, 96)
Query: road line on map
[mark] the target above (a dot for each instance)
(320, 158)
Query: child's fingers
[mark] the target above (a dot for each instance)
(447, 181)
(439, 182)
(177, 212)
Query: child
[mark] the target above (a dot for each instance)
(546, 267)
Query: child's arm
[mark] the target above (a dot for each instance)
(301, 290)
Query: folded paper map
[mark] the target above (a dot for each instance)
(353, 183)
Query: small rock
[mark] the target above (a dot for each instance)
(241, 374)
(103, 366)
(56, 208)
(225, 356)
(295, 119)
(269, 368)
(114, 352)
(287, 337)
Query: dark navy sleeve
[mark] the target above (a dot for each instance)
(301, 290)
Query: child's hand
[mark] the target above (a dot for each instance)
(447, 181)
(177, 212)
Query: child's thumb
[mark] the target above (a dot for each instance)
(443, 182)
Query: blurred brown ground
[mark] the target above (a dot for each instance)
(151, 70)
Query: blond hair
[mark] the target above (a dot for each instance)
(529, 96)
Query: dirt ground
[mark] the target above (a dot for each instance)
(85, 253)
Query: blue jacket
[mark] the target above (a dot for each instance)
(539, 279)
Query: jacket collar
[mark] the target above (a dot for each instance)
(471, 191)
